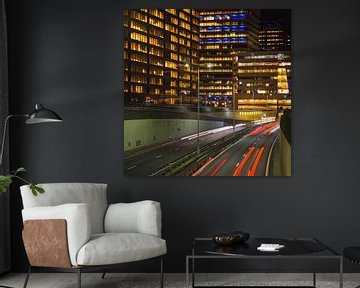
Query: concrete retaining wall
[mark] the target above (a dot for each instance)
(145, 132)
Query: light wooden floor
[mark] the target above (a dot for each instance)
(114, 280)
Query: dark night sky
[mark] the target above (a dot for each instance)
(278, 15)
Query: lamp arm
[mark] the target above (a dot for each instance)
(4, 134)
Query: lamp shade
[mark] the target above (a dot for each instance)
(42, 115)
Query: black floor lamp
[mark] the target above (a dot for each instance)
(39, 115)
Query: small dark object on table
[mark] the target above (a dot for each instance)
(231, 238)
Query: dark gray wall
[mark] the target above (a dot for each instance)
(68, 56)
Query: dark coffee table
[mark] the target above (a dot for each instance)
(294, 248)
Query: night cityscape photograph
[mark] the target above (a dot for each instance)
(207, 92)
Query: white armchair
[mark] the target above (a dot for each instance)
(72, 228)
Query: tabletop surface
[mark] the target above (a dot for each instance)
(292, 247)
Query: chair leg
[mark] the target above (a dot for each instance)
(79, 277)
(103, 275)
(27, 277)
(161, 273)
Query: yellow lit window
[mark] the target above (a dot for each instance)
(138, 57)
(138, 37)
(156, 42)
(173, 74)
(139, 16)
(138, 26)
(156, 51)
(156, 71)
(157, 13)
(156, 22)
(156, 81)
(184, 16)
(171, 11)
(157, 62)
(137, 89)
(174, 56)
(185, 25)
(174, 20)
(174, 38)
(171, 28)
(138, 78)
(138, 47)
(169, 64)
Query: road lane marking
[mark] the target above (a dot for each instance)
(131, 167)
(256, 162)
(218, 167)
(198, 171)
(243, 161)
(159, 156)
(269, 157)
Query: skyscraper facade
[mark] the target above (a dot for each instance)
(274, 36)
(222, 34)
(158, 42)
(262, 80)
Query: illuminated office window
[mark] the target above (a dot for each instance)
(169, 64)
(173, 83)
(174, 56)
(139, 16)
(156, 51)
(139, 68)
(155, 91)
(156, 22)
(156, 81)
(138, 57)
(137, 89)
(138, 47)
(156, 61)
(156, 13)
(156, 71)
(171, 46)
(171, 11)
(138, 78)
(156, 32)
(170, 92)
(155, 42)
(185, 25)
(138, 37)
(171, 28)
(174, 20)
(184, 16)
(138, 26)
(173, 74)
(174, 38)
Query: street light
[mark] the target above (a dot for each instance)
(207, 65)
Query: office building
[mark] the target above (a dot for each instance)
(274, 36)
(262, 80)
(158, 44)
(222, 34)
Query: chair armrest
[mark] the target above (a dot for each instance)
(138, 217)
(78, 223)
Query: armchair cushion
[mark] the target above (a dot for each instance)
(78, 221)
(92, 194)
(138, 217)
(113, 248)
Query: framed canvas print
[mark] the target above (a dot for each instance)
(207, 92)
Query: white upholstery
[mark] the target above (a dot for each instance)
(132, 230)
(74, 214)
(62, 193)
(113, 248)
(139, 217)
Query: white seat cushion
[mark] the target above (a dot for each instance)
(113, 248)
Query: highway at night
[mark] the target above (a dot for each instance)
(246, 155)
(249, 156)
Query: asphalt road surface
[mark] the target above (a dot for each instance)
(249, 156)
(150, 161)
